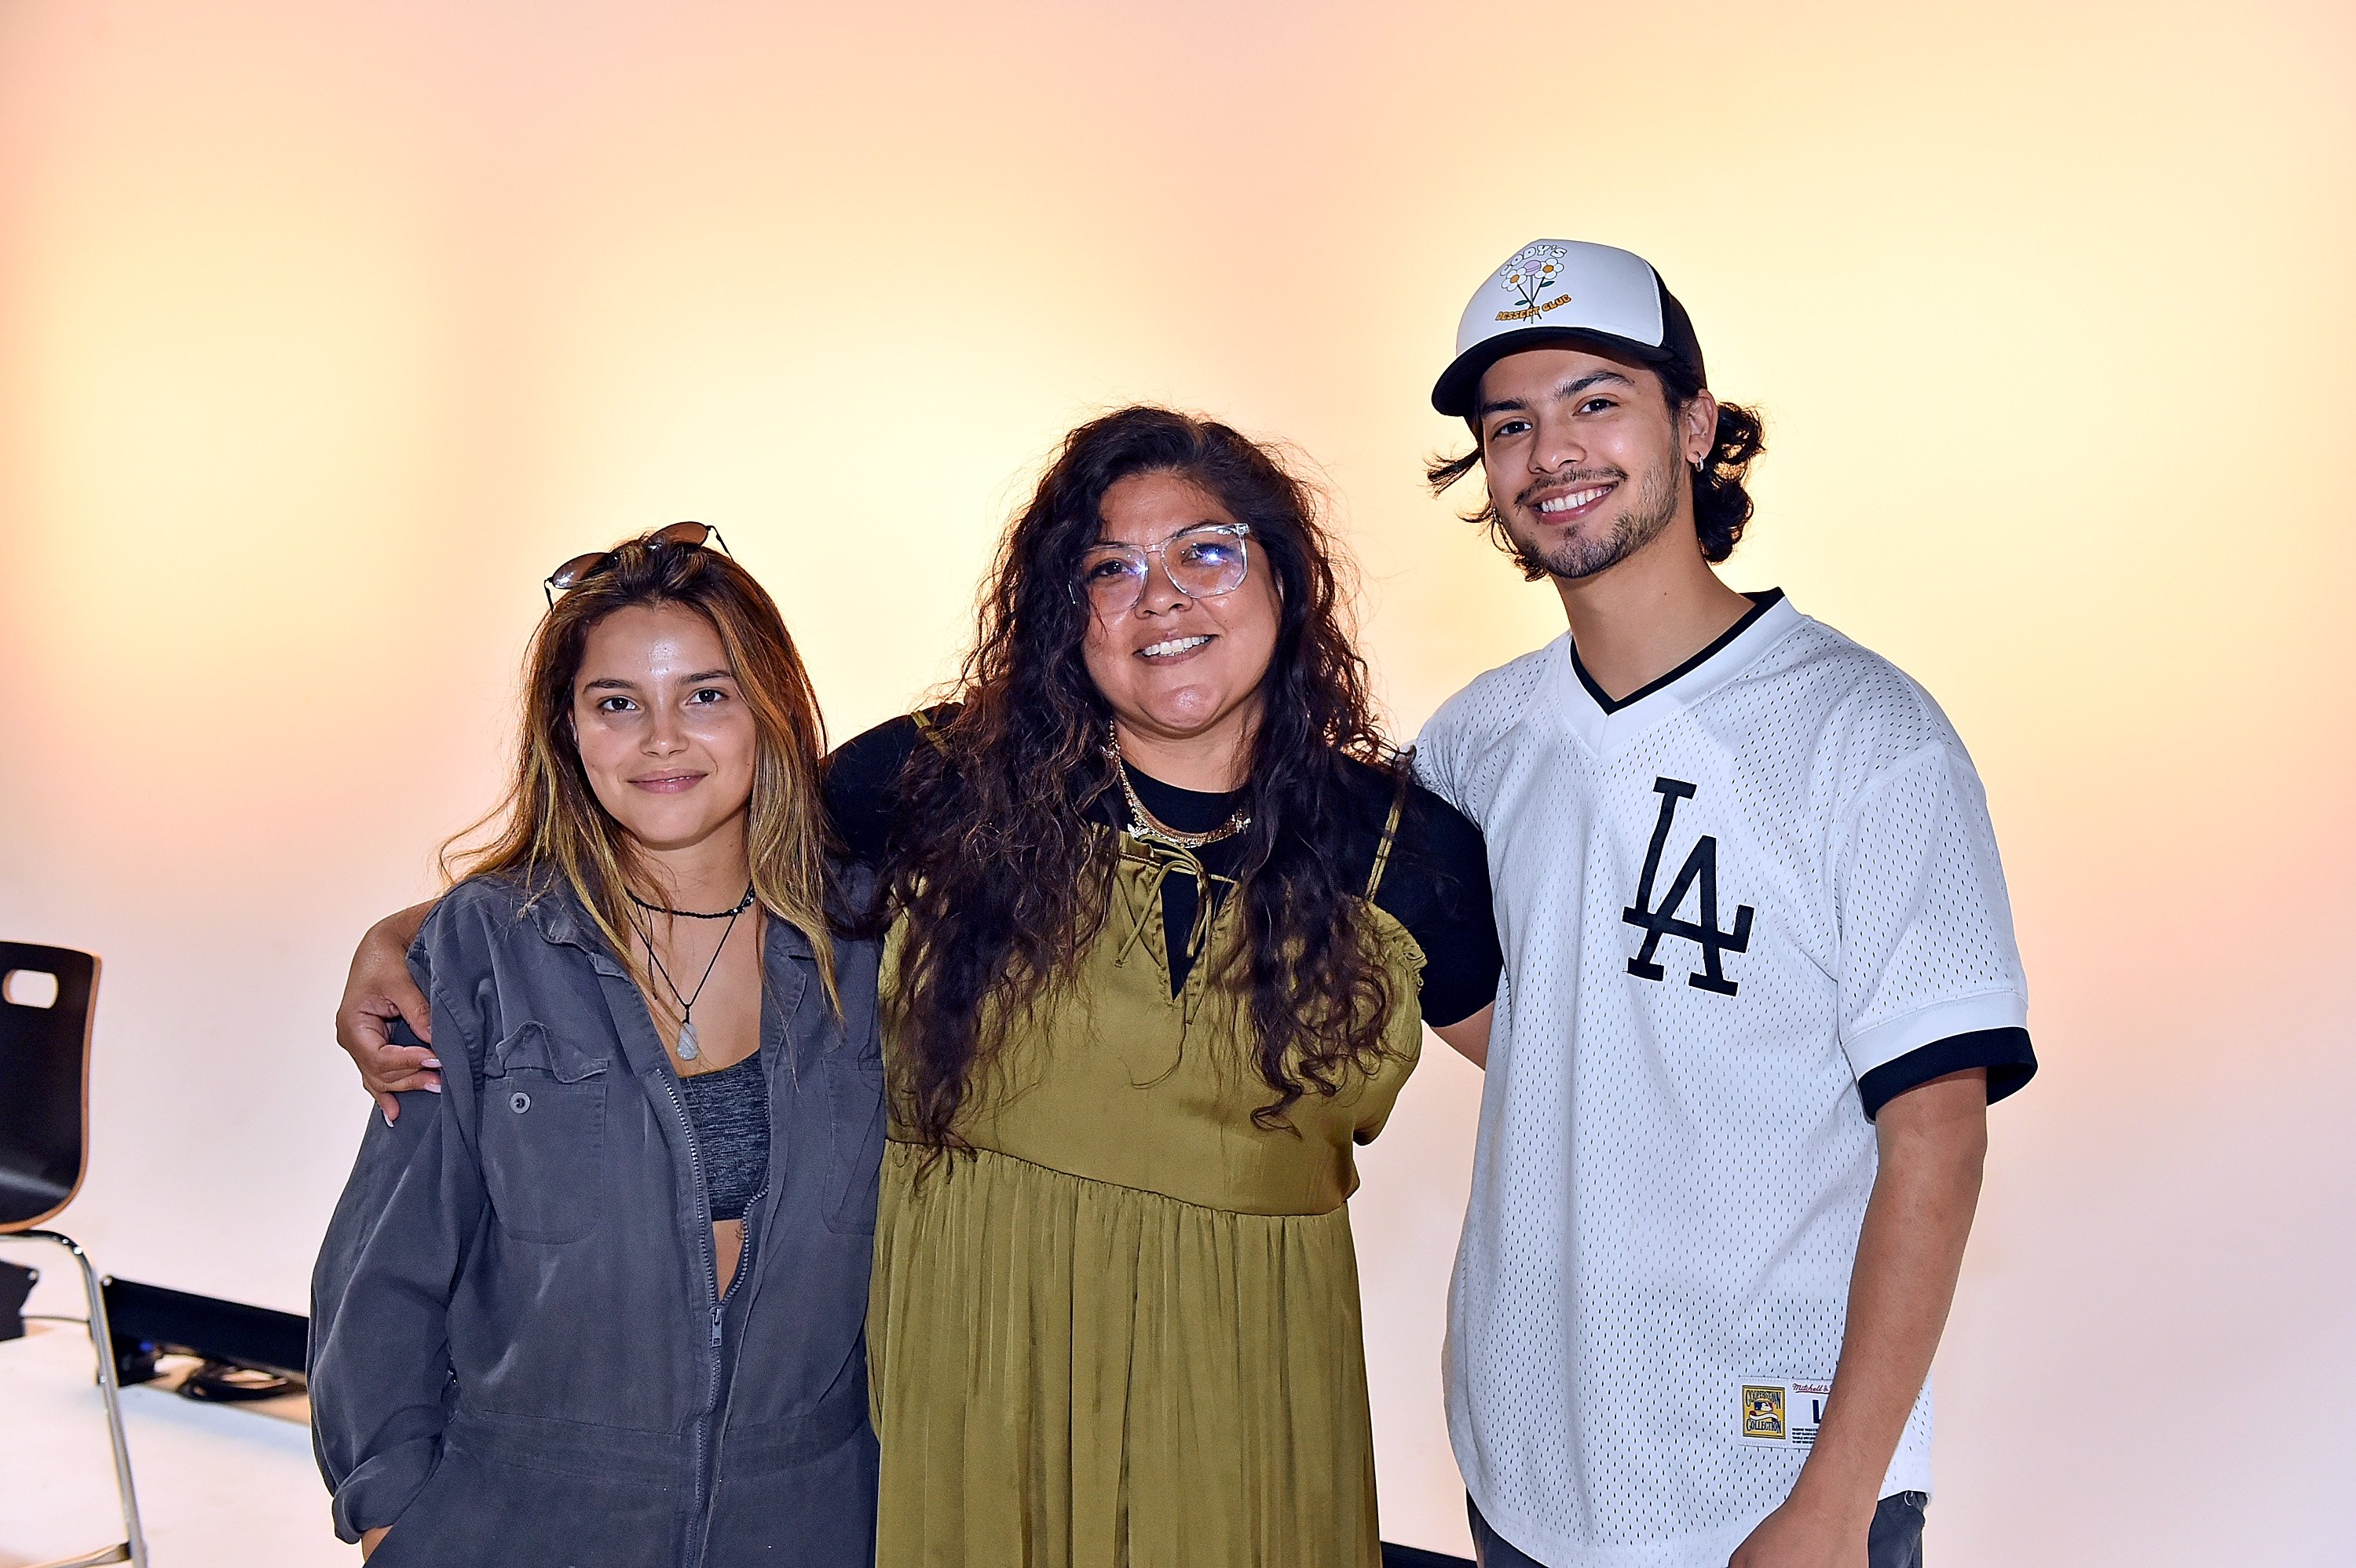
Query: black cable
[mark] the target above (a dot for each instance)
(226, 1382)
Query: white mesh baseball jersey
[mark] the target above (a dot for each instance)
(1740, 910)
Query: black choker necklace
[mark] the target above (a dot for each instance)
(687, 1048)
(742, 905)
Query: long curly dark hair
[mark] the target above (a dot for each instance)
(1721, 499)
(1004, 877)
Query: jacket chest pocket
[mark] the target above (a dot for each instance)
(855, 1090)
(544, 1135)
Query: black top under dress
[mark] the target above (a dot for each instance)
(1436, 883)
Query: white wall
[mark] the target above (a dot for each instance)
(326, 329)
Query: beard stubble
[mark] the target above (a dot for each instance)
(1572, 558)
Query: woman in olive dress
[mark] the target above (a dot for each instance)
(1167, 917)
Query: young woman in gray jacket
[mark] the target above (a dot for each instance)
(601, 1302)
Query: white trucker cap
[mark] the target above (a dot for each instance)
(1553, 291)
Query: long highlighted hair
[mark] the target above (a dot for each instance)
(550, 820)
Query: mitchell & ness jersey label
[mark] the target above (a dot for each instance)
(1783, 1412)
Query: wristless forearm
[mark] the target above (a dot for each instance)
(1910, 1254)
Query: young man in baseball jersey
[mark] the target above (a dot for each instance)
(1761, 989)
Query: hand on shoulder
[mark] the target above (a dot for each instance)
(378, 991)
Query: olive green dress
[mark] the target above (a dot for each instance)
(1125, 1333)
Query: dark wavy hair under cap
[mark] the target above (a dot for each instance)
(1005, 878)
(1722, 503)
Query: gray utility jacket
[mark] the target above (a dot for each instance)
(519, 1351)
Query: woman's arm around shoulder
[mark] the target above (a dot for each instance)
(379, 994)
(862, 781)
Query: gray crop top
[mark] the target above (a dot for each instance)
(730, 1111)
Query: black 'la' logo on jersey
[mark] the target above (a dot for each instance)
(1661, 920)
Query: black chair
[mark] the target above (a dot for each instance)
(44, 1149)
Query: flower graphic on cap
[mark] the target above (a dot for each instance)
(1528, 276)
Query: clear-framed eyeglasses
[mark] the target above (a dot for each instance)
(1201, 563)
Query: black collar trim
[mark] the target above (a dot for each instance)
(1187, 810)
(1760, 605)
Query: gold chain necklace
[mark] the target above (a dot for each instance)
(1143, 823)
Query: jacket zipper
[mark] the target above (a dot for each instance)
(700, 1500)
(745, 1280)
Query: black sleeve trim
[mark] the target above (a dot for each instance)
(861, 786)
(1437, 885)
(2005, 1053)
(1451, 1005)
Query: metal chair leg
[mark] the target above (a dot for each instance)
(132, 1547)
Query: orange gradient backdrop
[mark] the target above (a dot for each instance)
(327, 328)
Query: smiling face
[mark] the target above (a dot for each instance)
(663, 731)
(1181, 672)
(1584, 457)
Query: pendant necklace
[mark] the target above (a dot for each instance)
(688, 1048)
(1144, 825)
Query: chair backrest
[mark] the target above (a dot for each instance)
(44, 1081)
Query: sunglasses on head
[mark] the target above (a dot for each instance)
(582, 567)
